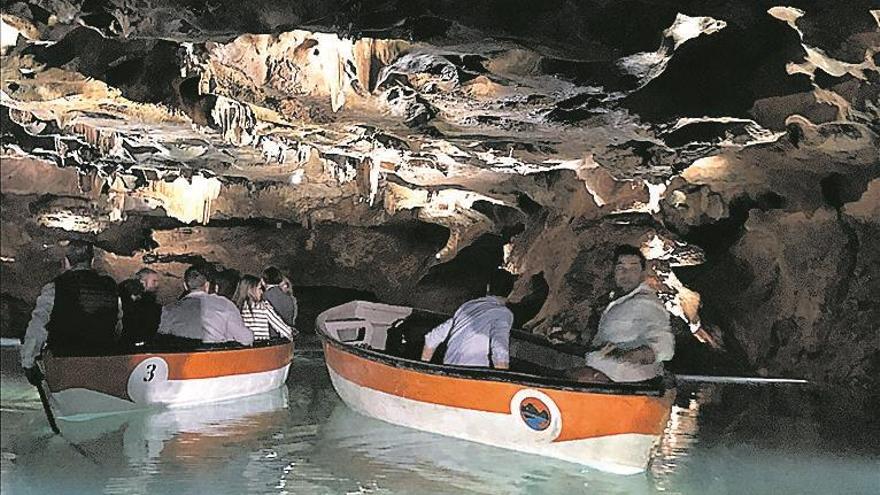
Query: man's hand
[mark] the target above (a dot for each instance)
(707, 337)
(427, 353)
(608, 350)
(639, 355)
(34, 375)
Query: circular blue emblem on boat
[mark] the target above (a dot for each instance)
(535, 413)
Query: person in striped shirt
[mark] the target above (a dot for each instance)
(258, 315)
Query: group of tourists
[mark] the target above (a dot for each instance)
(633, 340)
(83, 311)
(258, 308)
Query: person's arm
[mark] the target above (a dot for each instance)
(638, 355)
(164, 321)
(658, 334)
(705, 336)
(282, 303)
(658, 342)
(428, 353)
(236, 328)
(436, 337)
(276, 323)
(499, 341)
(36, 334)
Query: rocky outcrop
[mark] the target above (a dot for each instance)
(404, 150)
(792, 241)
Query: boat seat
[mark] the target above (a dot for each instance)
(406, 337)
(357, 332)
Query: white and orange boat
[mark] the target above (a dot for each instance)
(81, 387)
(530, 408)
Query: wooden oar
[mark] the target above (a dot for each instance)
(737, 379)
(50, 416)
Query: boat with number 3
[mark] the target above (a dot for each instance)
(371, 352)
(84, 386)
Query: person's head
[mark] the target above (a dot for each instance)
(286, 286)
(131, 290)
(226, 282)
(272, 275)
(500, 283)
(195, 280)
(249, 291)
(210, 271)
(629, 267)
(79, 253)
(149, 279)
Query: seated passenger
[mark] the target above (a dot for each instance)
(77, 312)
(279, 294)
(141, 313)
(478, 334)
(634, 336)
(225, 282)
(149, 278)
(258, 315)
(206, 317)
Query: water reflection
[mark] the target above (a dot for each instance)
(403, 460)
(197, 433)
(678, 440)
(721, 439)
(760, 439)
(162, 451)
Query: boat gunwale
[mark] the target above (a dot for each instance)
(656, 389)
(157, 352)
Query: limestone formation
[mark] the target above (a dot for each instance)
(405, 150)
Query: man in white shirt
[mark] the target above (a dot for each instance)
(203, 316)
(634, 336)
(478, 334)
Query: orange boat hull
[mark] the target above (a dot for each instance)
(608, 431)
(84, 386)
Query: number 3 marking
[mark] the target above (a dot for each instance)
(151, 372)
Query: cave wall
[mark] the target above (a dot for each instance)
(403, 149)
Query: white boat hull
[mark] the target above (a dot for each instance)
(80, 404)
(624, 454)
(82, 387)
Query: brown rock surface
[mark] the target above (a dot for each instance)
(405, 152)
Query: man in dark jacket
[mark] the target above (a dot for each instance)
(78, 311)
(278, 293)
(140, 313)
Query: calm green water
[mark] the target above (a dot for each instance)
(303, 440)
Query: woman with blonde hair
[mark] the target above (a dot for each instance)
(258, 315)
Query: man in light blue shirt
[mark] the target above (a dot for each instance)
(478, 334)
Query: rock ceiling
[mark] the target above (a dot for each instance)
(700, 129)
